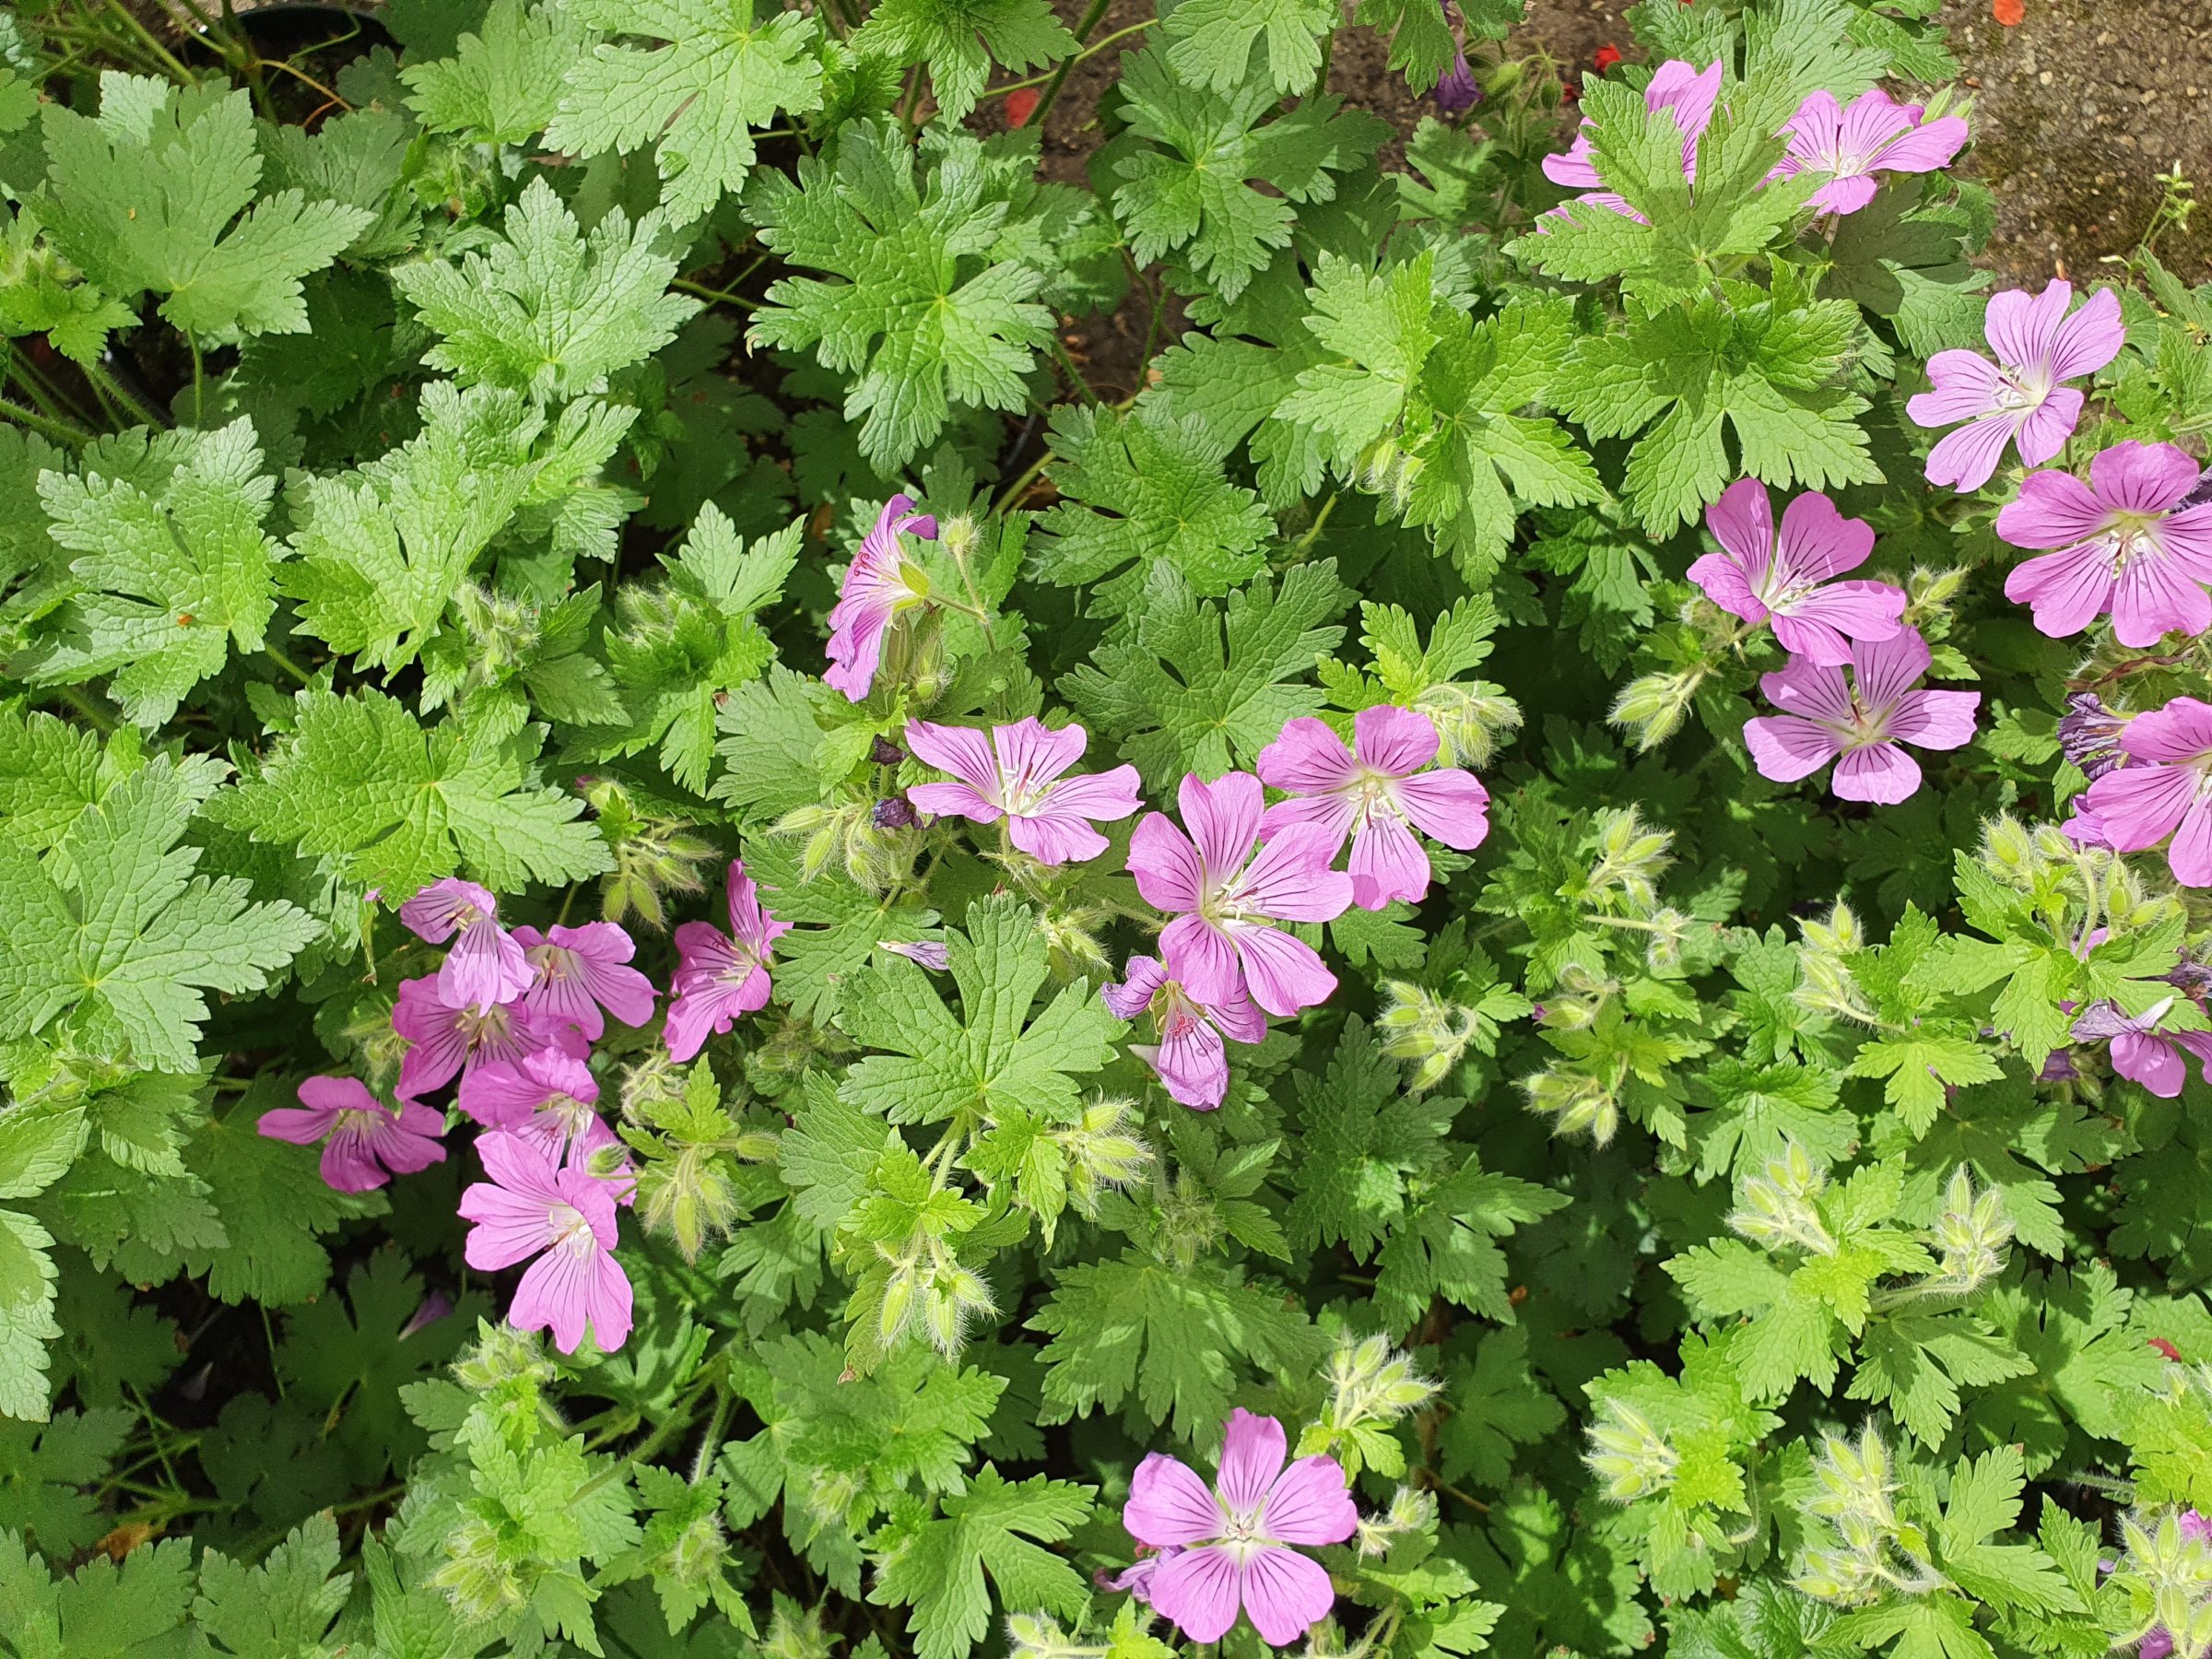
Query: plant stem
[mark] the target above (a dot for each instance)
(199, 382)
(104, 381)
(1059, 80)
(60, 430)
(721, 296)
(146, 37)
(1029, 476)
(287, 664)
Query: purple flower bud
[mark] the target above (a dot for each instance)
(893, 813)
(2202, 494)
(2089, 735)
(1456, 92)
(883, 752)
(435, 1307)
(2059, 1067)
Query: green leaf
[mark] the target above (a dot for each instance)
(130, 936)
(933, 307)
(959, 39)
(545, 309)
(1187, 687)
(133, 1611)
(174, 576)
(273, 1203)
(27, 1323)
(501, 84)
(938, 1567)
(995, 1060)
(45, 1474)
(1167, 1343)
(402, 806)
(1360, 1139)
(1210, 41)
(280, 1609)
(722, 72)
(1137, 492)
(149, 195)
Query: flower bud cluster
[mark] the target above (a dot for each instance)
(1869, 1547)
(2161, 1586)
(1628, 1454)
(1779, 1208)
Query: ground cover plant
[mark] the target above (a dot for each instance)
(705, 950)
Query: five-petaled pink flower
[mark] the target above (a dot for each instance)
(1873, 134)
(1787, 581)
(881, 583)
(565, 1217)
(486, 965)
(1680, 87)
(546, 1098)
(719, 975)
(1014, 774)
(2125, 545)
(1232, 1547)
(1190, 1058)
(2142, 1052)
(2020, 398)
(580, 970)
(1377, 793)
(365, 1141)
(1226, 940)
(2164, 790)
(449, 1039)
(1860, 724)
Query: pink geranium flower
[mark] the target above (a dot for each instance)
(363, 1145)
(880, 584)
(546, 1098)
(1227, 940)
(1873, 134)
(1861, 723)
(578, 970)
(719, 975)
(486, 965)
(1787, 581)
(1676, 85)
(2140, 1051)
(1191, 1059)
(564, 1217)
(2125, 545)
(1015, 774)
(1377, 793)
(2019, 399)
(1232, 1547)
(932, 953)
(449, 1039)
(2164, 790)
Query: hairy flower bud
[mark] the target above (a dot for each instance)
(1472, 720)
(2089, 734)
(1653, 706)
(1776, 1209)
(1628, 1454)
(1971, 1233)
(1576, 1103)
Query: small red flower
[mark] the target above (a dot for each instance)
(1607, 55)
(1570, 93)
(2011, 13)
(1020, 106)
(2160, 1343)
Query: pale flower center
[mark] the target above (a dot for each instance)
(571, 1232)
(1373, 795)
(742, 968)
(351, 1121)
(2020, 390)
(554, 962)
(2130, 535)
(1243, 1535)
(489, 1026)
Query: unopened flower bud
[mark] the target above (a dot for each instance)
(1972, 1232)
(894, 812)
(883, 752)
(1474, 721)
(1628, 1454)
(2089, 734)
(1576, 1103)
(1652, 707)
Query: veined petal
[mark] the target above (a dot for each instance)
(2089, 339)
(1166, 864)
(2143, 477)
(1203, 958)
(2043, 430)
(1169, 1504)
(1449, 805)
(953, 800)
(1199, 1592)
(1393, 741)
(2021, 327)
(1818, 543)
(1935, 720)
(1253, 1449)
(1889, 668)
(1880, 773)
(1286, 1594)
(1786, 747)
(1290, 880)
(1030, 753)
(1742, 521)
(1282, 972)
(1310, 1504)
(1103, 797)
(1055, 838)
(2052, 510)
(1387, 863)
(962, 751)
(1968, 457)
(2138, 807)
(1223, 818)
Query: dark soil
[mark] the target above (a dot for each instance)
(2075, 110)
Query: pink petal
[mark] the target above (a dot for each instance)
(2143, 477)
(1448, 804)
(1889, 668)
(1286, 1594)
(2089, 339)
(1282, 973)
(2154, 598)
(2150, 1061)
(2022, 326)
(2190, 856)
(1965, 385)
(1928, 147)
(963, 751)
(2138, 807)
(303, 1128)
(1967, 458)
(331, 1095)
(1820, 622)
(1935, 720)
(1201, 955)
(1387, 863)
(1722, 580)
(1059, 839)
(1331, 815)
(1393, 741)
(1103, 797)
(2044, 429)
(433, 914)
(953, 800)
(408, 1143)
(1310, 1504)
(1786, 747)
(1289, 878)
(1742, 521)
(603, 952)
(1819, 542)
(1170, 1505)
(1844, 196)
(484, 968)
(1031, 752)
(2181, 731)
(1192, 1062)
(1198, 1591)
(1166, 864)
(1141, 976)
(1223, 818)
(1880, 773)
(349, 1166)
(1806, 688)
(509, 1226)
(1253, 1449)
(2052, 510)
(2067, 590)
